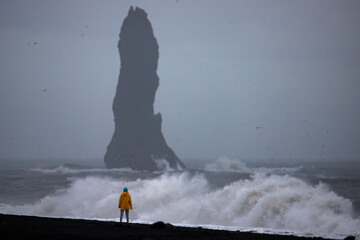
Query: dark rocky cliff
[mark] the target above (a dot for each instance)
(138, 142)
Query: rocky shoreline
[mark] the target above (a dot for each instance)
(21, 227)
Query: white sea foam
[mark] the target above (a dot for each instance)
(278, 170)
(227, 165)
(265, 202)
(163, 165)
(68, 170)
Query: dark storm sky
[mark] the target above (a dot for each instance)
(245, 79)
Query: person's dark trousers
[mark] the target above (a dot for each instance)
(126, 214)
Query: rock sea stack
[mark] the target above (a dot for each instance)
(138, 142)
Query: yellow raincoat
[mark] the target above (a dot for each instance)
(125, 201)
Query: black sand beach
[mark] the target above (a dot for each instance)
(23, 227)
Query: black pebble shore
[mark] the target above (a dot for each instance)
(25, 227)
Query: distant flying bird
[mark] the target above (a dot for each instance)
(44, 89)
(258, 128)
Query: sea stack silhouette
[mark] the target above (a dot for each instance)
(138, 142)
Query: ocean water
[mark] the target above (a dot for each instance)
(284, 197)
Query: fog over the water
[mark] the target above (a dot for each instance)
(244, 79)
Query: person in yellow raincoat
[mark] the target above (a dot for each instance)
(125, 204)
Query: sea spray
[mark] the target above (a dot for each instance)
(227, 165)
(264, 201)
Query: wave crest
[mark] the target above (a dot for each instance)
(276, 202)
(227, 165)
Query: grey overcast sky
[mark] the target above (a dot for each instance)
(268, 79)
